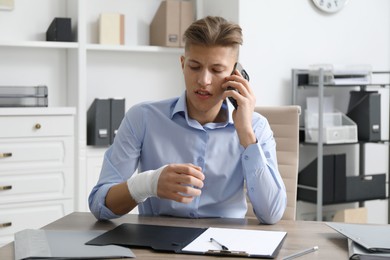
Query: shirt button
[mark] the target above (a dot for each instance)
(252, 189)
(192, 215)
(200, 160)
(246, 157)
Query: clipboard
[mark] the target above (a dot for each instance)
(189, 240)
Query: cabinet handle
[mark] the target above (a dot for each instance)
(38, 126)
(6, 187)
(5, 224)
(4, 155)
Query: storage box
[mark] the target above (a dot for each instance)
(170, 22)
(112, 29)
(337, 128)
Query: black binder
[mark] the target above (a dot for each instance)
(104, 117)
(117, 112)
(98, 122)
(365, 109)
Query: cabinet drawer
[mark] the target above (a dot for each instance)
(16, 217)
(32, 153)
(36, 126)
(35, 186)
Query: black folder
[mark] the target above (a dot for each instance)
(177, 239)
(117, 112)
(159, 238)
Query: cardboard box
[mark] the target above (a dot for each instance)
(112, 29)
(186, 18)
(170, 22)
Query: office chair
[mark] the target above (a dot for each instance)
(284, 122)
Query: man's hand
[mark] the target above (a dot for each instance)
(246, 101)
(180, 182)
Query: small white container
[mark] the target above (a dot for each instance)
(337, 128)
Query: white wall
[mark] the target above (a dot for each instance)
(280, 35)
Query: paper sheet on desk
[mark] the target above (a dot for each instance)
(253, 242)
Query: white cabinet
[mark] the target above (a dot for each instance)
(36, 167)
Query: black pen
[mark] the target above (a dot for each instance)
(222, 246)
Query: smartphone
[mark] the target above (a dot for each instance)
(244, 74)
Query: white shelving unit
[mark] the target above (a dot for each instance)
(79, 71)
(299, 85)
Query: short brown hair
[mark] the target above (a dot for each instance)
(213, 31)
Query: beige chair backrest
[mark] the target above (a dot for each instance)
(284, 122)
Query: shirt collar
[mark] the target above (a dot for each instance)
(181, 107)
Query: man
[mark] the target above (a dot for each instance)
(194, 152)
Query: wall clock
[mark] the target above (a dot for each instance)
(330, 6)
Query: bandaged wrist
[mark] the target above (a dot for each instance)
(144, 184)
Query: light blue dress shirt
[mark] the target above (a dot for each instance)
(154, 134)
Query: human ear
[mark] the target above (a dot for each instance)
(182, 60)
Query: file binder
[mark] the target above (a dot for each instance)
(117, 112)
(189, 240)
(104, 117)
(374, 238)
(98, 122)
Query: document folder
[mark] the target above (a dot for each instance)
(60, 244)
(374, 238)
(357, 252)
(189, 240)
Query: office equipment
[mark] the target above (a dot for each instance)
(46, 244)
(301, 253)
(374, 238)
(301, 234)
(250, 243)
(284, 122)
(365, 109)
(341, 74)
(60, 30)
(112, 29)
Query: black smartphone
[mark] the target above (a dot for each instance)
(244, 74)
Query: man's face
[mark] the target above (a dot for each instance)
(205, 69)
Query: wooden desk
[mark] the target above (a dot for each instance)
(300, 234)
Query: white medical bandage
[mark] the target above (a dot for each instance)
(144, 184)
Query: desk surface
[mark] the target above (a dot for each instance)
(300, 234)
